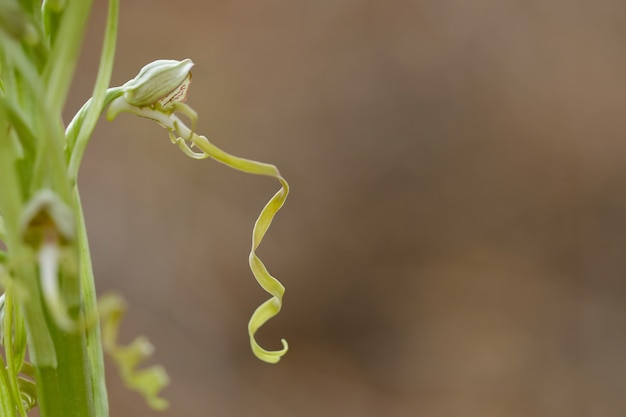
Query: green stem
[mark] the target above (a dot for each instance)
(65, 391)
(82, 126)
(94, 342)
(76, 136)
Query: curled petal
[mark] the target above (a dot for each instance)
(272, 306)
(147, 381)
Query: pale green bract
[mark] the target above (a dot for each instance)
(162, 110)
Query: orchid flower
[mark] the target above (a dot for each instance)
(158, 92)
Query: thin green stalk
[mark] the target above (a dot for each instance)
(94, 340)
(84, 121)
(81, 128)
(77, 135)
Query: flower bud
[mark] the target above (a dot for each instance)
(46, 217)
(163, 81)
(46, 225)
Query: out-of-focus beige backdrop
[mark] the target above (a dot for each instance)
(455, 241)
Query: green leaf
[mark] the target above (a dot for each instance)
(61, 64)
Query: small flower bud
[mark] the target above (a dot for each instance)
(45, 218)
(163, 81)
(47, 224)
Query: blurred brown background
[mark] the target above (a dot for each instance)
(455, 241)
